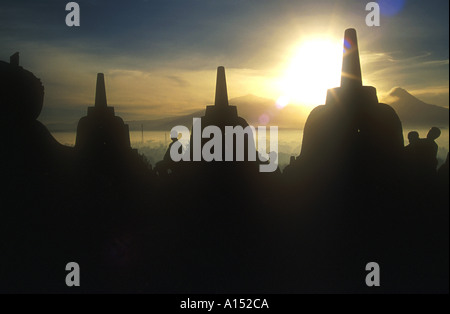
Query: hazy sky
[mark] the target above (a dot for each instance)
(159, 57)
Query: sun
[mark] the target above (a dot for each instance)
(315, 67)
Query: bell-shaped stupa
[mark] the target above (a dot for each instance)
(222, 115)
(353, 132)
(101, 135)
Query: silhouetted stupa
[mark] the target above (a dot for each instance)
(352, 132)
(221, 114)
(102, 137)
(101, 129)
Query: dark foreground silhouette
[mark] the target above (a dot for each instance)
(355, 195)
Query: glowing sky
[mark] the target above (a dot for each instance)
(159, 57)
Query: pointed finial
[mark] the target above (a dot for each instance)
(100, 93)
(14, 59)
(351, 67)
(221, 89)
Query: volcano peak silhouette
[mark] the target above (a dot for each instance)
(401, 93)
(414, 112)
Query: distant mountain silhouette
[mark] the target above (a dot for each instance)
(165, 124)
(254, 109)
(415, 113)
(412, 111)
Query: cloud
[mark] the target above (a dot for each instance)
(178, 80)
(151, 92)
(420, 74)
(160, 57)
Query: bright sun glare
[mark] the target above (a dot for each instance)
(315, 67)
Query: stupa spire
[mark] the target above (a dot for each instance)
(221, 89)
(351, 66)
(100, 93)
